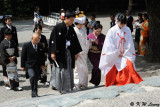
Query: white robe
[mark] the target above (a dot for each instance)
(81, 68)
(111, 50)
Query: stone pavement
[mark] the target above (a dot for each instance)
(147, 92)
(90, 97)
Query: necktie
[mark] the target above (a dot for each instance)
(35, 47)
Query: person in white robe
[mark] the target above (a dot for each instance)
(118, 55)
(81, 68)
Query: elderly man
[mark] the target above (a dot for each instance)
(32, 60)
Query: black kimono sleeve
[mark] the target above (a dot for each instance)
(5, 56)
(1, 34)
(24, 55)
(52, 41)
(42, 55)
(76, 46)
(15, 38)
(46, 44)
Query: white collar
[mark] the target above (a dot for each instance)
(40, 36)
(8, 40)
(9, 26)
(34, 45)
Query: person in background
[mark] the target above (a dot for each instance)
(112, 23)
(43, 40)
(62, 14)
(91, 23)
(144, 36)
(138, 25)
(8, 21)
(86, 23)
(129, 20)
(37, 18)
(96, 39)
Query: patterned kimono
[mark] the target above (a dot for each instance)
(144, 38)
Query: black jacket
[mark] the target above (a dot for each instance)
(30, 58)
(130, 23)
(43, 40)
(57, 43)
(5, 56)
(14, 34)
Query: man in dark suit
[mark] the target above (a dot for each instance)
(112, 23)
(8, 21)
(7, 43)
(129, 20)
(32, 60)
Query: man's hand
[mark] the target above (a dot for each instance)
(76, 56)
(53, 56)
(23, 69)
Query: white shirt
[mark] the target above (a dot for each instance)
(10, 27)
(92, 23)
(34, 46)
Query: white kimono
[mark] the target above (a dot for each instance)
(81, 68)
(113, 46)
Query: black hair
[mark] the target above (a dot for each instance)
(121, 18)
(112, 15)
(97, 26)
(36, 8)
(140, 15)
(93, 15)
(7, 18)
(129, 12)
(98, 22)
(76, 23)
(145, 15)
(7, 31)
(70, 13)
(38, 26)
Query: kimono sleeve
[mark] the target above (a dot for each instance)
(129, 49)
(52, 41)
(109, 54)
(76, 45)
(4, 54)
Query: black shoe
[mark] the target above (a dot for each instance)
(53, 88)
(34, 95)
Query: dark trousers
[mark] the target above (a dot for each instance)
(34, 75)
(4, 70)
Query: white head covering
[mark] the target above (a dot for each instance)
(80, 20)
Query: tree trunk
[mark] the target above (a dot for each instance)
(130, 5)
(153, 9)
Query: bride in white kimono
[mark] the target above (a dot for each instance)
(118, 55)
(81, 68)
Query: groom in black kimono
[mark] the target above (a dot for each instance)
(64, 48)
